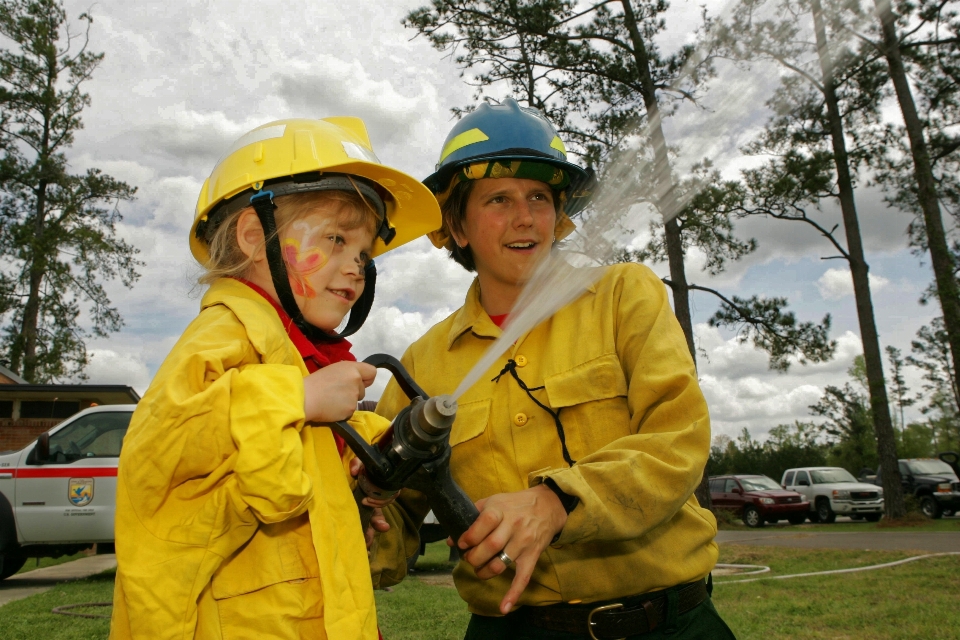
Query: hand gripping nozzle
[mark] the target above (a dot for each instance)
(414, 452)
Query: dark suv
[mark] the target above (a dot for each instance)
(933, 482)
(757, 499)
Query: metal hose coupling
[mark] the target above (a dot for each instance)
(437, 414)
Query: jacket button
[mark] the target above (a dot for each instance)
(521, 361)
(520, 419)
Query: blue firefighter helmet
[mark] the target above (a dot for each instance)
(506, 132)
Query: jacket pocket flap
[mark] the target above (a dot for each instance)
(272, 556)
(597, 379)
(472, 418)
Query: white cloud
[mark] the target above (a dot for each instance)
(756, 403)
(186, 134)
(742, 392)
(110, 367)
(421, 277)
(389, 330)
(328, 85)
(835, 284)
(181, 80)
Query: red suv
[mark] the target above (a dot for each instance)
(757, 499)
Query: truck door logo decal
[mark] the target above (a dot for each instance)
(80, 491)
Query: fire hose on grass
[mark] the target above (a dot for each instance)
(757, 569)
(67, 610)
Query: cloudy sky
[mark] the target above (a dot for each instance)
(182, 80)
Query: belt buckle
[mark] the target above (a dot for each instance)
(590, 622)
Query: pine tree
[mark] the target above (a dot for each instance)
(937, 55)
(828, 94)
(596, 71)
(941, 394)
(898, 384)
(58, 233)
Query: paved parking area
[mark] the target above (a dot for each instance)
(934, 542)
(30, 583)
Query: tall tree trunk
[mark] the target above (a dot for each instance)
(678, 282)
(31, 311)
(667, 201)
(529, 81)
(28, 328)
(940, 258)
(879, 404)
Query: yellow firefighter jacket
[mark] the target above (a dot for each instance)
(234, 519)
(616, 366)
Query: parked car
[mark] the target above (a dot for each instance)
(932, 482)
(832, 491)
(58, 494)
(757, 499)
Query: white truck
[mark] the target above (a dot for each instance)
(833, 491)
(58, 494)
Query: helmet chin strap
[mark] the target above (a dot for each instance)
(264, 206)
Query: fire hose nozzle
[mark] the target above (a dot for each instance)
(438, 414)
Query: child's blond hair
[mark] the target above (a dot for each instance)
(351, 210)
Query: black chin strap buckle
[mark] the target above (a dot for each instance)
(385, 232)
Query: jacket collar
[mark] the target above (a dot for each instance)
(260, 320)
(472, 317)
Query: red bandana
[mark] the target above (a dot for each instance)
(499, 320)
(316, 355)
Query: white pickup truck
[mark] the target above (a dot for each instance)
(834, 491)
(58, 494)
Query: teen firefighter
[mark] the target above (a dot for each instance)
(235, 517)
(583, 445)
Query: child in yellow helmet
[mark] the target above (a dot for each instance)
(235, 517)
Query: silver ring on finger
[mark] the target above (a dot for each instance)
(505, 559)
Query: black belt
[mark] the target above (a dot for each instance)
(616, 618)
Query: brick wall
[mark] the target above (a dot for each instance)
(16, 434)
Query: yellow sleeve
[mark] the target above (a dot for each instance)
(637, 482)
(266, 416)
(216, 438)
(392, 549)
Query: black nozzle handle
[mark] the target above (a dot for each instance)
(391, 364)
(454, 509)
(369, 454)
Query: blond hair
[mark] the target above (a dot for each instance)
(227, 260)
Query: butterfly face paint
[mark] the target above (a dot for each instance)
(325, 265)
(300, 264)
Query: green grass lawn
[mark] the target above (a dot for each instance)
(912, 601)
(40, 563)
(31, 618)
(426, 604)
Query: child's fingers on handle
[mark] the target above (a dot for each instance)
(368, 373)
(355, 466)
